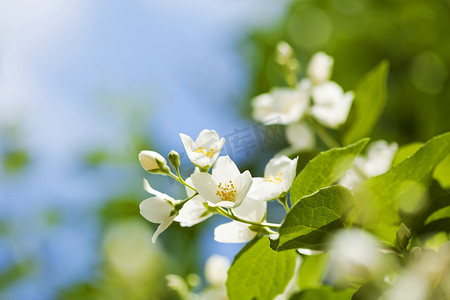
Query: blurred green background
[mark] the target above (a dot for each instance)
(84, 87)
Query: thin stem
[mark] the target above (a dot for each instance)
(180, 180)
(236, 218)
(181, 204)
(323, 133)
(283, 201)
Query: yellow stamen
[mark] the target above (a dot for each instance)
(203, 151)
(277, 179)
(227, 191)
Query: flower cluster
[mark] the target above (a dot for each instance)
(314, 100)
(224, 190)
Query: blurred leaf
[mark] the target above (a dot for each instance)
(15, 273)
(310, 221)
(258, 272)
(323, 293)
(405, 152)
(311, 270)
(442, 173)
(372, 290)
(15, 160)
(96, 158)
(439, 214)
(378, 197)
(368, 104)
(325, 169)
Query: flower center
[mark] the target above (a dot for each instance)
(203, 151)
(227, 191)
(278, 179)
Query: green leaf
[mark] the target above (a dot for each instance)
(325, 169)
(442, 213)
(442, 173)
(405, 152)
(379, 198)
(368, 104)
(309, 222)
(323, 293)
(260, 273)
(311, 270)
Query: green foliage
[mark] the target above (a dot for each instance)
(15, 160)
(309, 223)
(323, 293)
(442, 173)
(369, 102)
(379, 198)
(325, 169)
(258, 272)
(312, 270)
(442, 213)
(405, 152)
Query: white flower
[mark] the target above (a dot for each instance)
(194, 211)
(300, 136)
(148, 160)
(320, 67)
(331, 106)
(355, 253)
(206, 149)
(278, 177)
(281, 105)
(158, 209)
(377, 161)
(237, 232)
(226, 186)
(216, 269)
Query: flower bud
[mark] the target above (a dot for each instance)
(320, 68)
(152, 161)
(174, 159)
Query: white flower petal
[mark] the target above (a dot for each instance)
(331, 106)
(206, 138)
(301, 136)
(190, 192)
(262, 190)
(233, 232)
(289, 174)
(163, 226)
(206, 187)
(225, 169)
(216, 268)
(156, 193)
(281, 105)
(155, 209)
(320, 67)
(242, 182)
(276, 165)
(188, 143)
(206, 148)
(193, 212)
(251, 210)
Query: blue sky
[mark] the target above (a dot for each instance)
(76, 76)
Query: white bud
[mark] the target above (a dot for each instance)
(149, 161)
(320, 67)
(216, 269)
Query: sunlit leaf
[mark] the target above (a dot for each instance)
(258, 272)
(309, 223)
(311, 270)
(379, 198)
(442, 213)
(323, 293)
(368, 104)
(325, 169)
